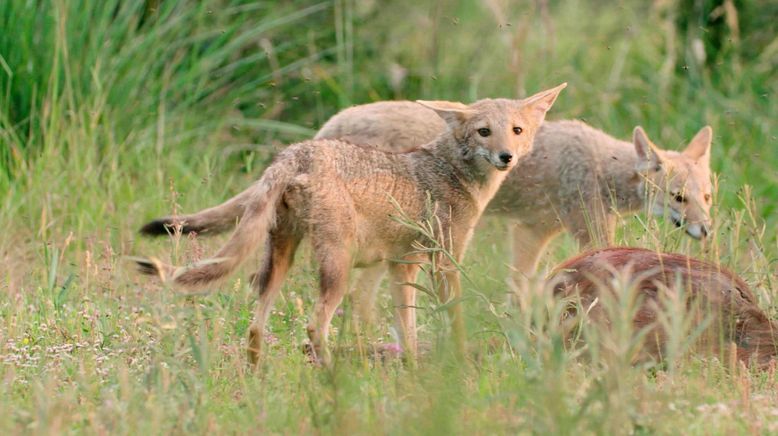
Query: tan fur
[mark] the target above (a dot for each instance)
(577, 178)
(340, 196)
(712, 294)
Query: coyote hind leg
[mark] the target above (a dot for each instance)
(268, 283)
(334, 263)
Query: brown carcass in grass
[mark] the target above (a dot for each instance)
(723, 309)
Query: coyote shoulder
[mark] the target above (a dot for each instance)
(343, 197)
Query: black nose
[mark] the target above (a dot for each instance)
(506, 157)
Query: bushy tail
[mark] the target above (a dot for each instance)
(258, 217)
(210, 221)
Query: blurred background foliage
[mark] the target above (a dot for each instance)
(93, 90)
(266, 71)
(100, 93)
(97, 91)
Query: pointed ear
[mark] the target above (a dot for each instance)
(540, 103)
(699, 148)
(453, 113)
(648, 155)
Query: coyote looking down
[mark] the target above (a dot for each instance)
(576, 178)
(343, 197)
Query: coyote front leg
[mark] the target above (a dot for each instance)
(450, 292)
(528, 246)
(404, 300)
(448, 282)
(591, 227)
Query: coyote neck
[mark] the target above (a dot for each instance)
(622, 179)
(473, 175)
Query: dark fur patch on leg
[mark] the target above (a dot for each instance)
(260, 279)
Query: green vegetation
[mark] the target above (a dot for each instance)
(113, 112)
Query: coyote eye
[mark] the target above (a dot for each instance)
(678, 197)
(707, 198)
(483, 131)
(517, 130)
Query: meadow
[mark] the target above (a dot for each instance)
(115, 112)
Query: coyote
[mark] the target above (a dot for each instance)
(576, 178)
(733, 316)
(343, 197)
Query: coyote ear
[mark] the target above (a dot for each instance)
(648, 155)
(699, 148)
(453, 113)
(541, 102)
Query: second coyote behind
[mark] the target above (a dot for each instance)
(343, 197)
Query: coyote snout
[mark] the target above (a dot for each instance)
(696, 228)
(501, 160)
(697, 231)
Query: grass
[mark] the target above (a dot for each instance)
(115, 112)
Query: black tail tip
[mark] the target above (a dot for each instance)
(147, 267)
(158, 227)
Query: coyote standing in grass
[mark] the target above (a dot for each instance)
(343, 197)
(576, 178)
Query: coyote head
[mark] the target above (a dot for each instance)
(678, 182)
(496, 132)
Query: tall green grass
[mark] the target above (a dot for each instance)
(97, 95)
(114, 112)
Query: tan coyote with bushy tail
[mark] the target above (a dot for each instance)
(343, 197)
(576, 178)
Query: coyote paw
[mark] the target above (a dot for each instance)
(310, 352)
